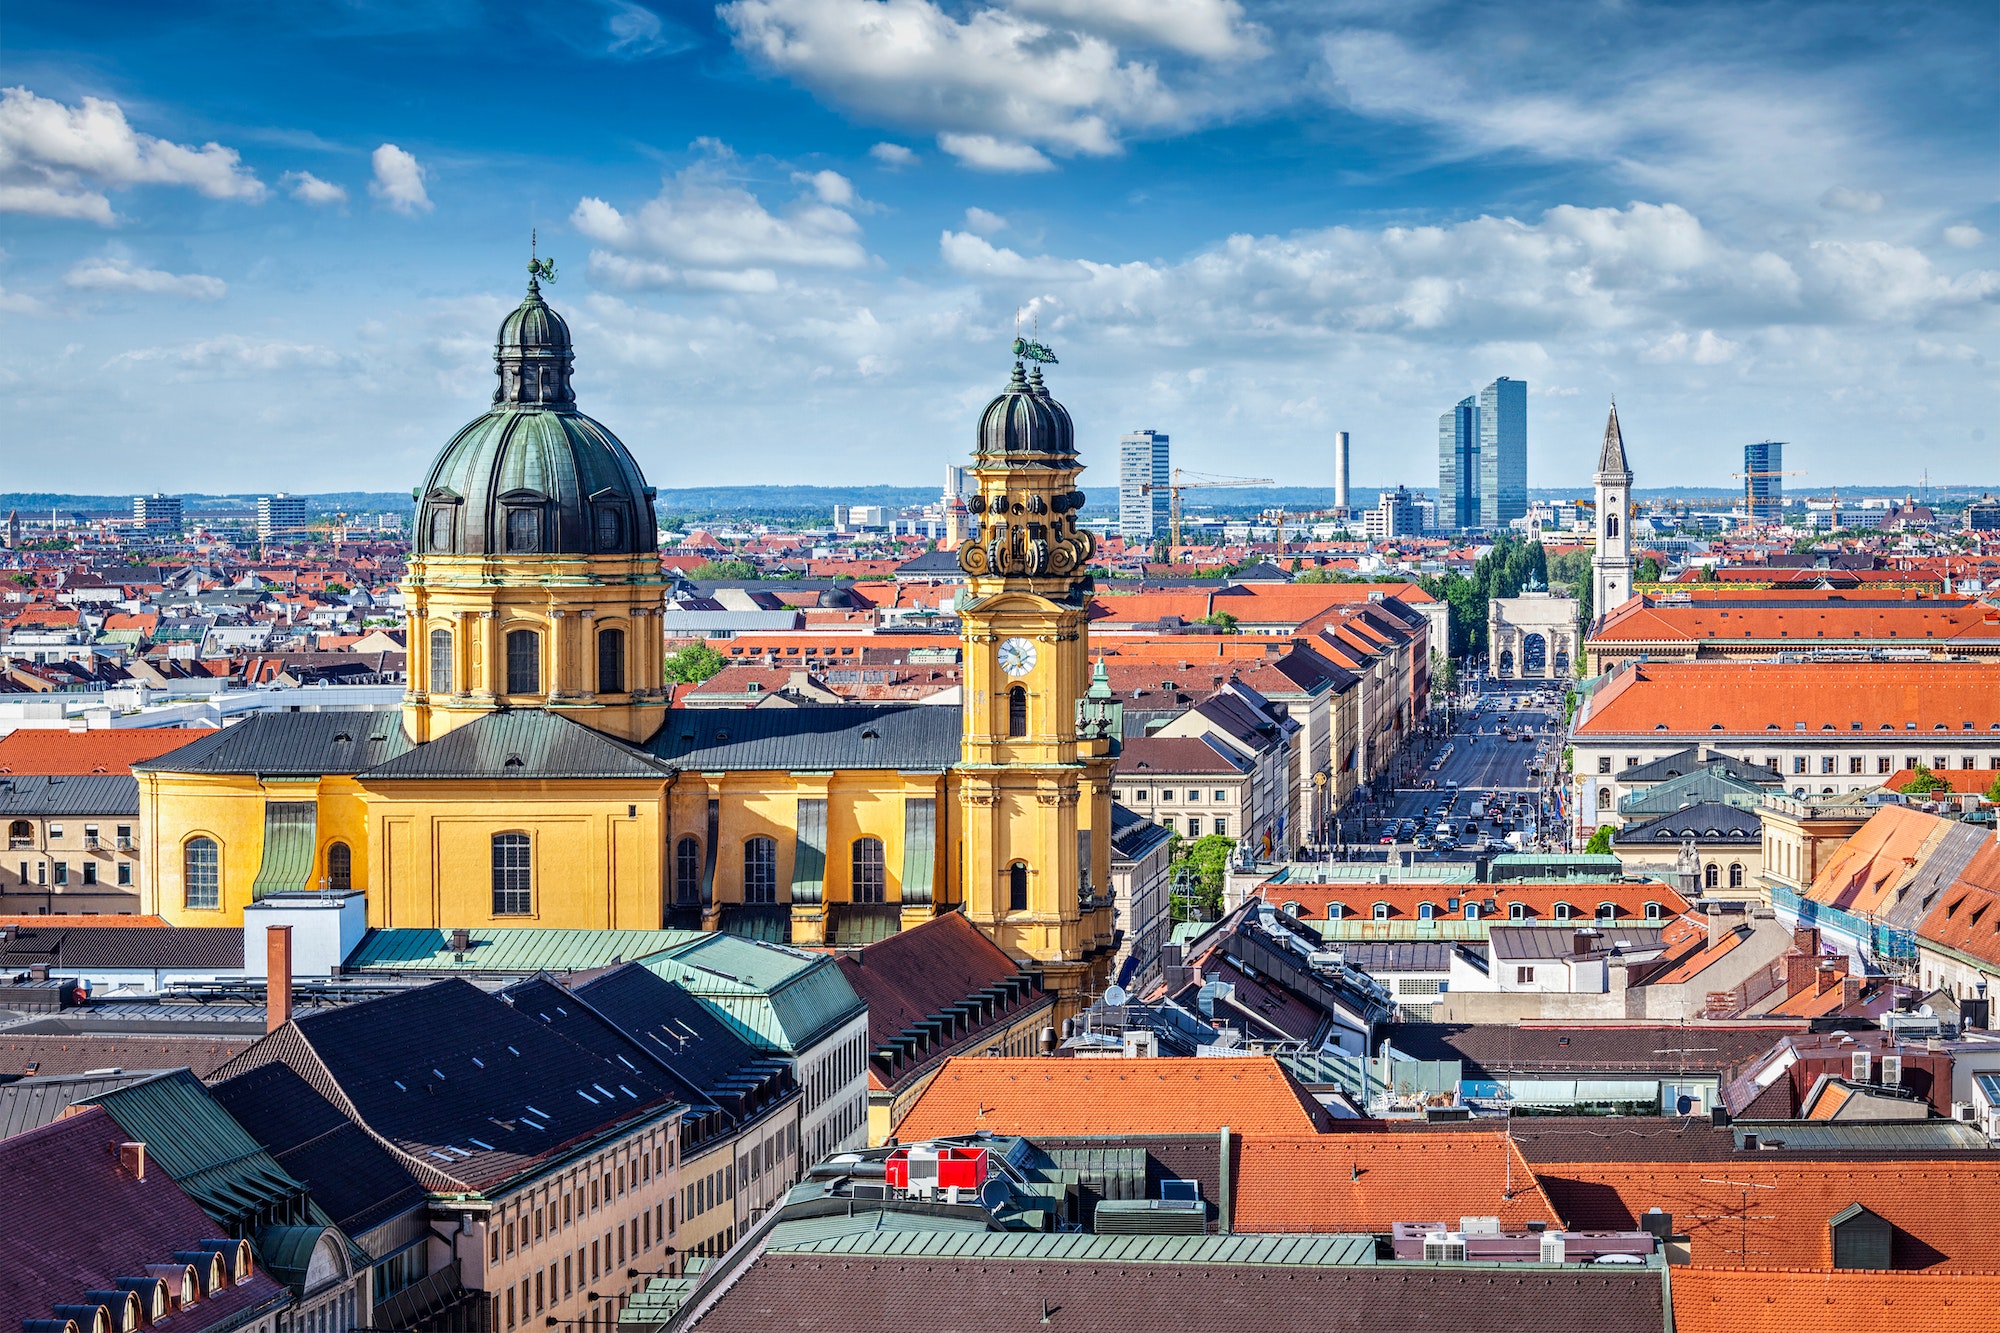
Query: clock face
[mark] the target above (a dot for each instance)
(1017, 657)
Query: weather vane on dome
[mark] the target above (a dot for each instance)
(1029, 349)
(544, 269)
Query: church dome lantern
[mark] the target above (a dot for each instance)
(1024, 426)
(533, 476)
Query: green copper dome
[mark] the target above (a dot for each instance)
(1024, 427)
(534, 476)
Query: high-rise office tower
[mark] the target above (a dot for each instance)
(1764, 482)
(1143, 462)
(281, 517)
(1340, 471)
(1503, 452)
(160, 513)
(959, 482)
(1458, 466)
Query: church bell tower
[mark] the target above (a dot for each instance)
(1611, 567)
(1039, 742)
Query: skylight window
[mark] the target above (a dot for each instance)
(481, 1143)
(543, 1114)
(586, 1096)
(628, 1092)
(399, 1085)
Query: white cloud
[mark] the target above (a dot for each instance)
(1963, 236)
(1211, 28)
(703, 229)
(233, 353)
(399, 180)
(308, 188)
(892, 155)
(121, 275)
(57, 161)
(999, 82)
(983, 222)
(1848, 199)
(1704, 349)
(983, 152)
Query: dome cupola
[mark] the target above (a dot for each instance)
(534, 476)
(1025, 427)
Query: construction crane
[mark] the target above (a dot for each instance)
(1749, 480)
(1201, 481)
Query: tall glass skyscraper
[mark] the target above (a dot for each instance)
(1503, 452)
(1143, 462)
(1483, 458)
(1763, 482)
(1458, 466)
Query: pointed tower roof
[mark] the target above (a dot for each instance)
(1611, 459)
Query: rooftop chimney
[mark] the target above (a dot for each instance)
(1830, 973)
(1714, 927)
(1850, 991)
(1806, 939)
(1798, 973)
(278, 988)
(132, 1156)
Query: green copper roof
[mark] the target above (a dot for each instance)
(290, 842)
(524, 950)
(775, 997)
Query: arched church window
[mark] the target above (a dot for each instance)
(201, 874)
(524, 530)
(760, 871)
(339, 866)
(440, 663)
(611, 661)
(687, 871)
(870, 871)
(1017, 711)
(513, 875)
(1712, 876)
(1611, 525)
(1017, 887)
(524, 662)
(1604, 798)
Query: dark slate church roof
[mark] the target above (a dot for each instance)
(291, 745)
(810, 740)
(1704, 821)
(522, 743)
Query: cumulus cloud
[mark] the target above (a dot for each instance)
(57, 160)
(234, 353)
(704, 230)
(1848, 199)
(1211, 28)
(998, 84)
(983, 222)
(121, 275)
(892, 155)
(308, 188)
(1703, 349)
(399, 181)
(1963, 236)
(983, 152)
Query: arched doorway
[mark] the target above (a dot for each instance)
(1506, 662)
(1534, 655)
(1562, 657)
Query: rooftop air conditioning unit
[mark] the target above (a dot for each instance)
(1444, 1247)
(1554, 1248)
(1965, 1112)
(1892, 1071)
(1862, 1061)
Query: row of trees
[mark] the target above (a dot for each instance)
(1501, 572)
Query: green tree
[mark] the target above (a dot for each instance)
(1993, 792)
(694, 663)
(1600, 842)
(1198, 868)
(1314, 575)
(1222, 620)
(1923, 782)
(714, 570)
(24, 579)
(1649, 571)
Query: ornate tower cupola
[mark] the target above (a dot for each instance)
(1611, 567)
(1037, 754)
(534, 578)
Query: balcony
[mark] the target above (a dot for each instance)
(128, 844)
(92, 843)
(20, 844)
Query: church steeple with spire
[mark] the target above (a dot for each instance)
(1611, 567)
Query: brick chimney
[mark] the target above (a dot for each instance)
(1850, 992)
(1831, 971)
(1806, 939)
(278, 987)
(1799, 973)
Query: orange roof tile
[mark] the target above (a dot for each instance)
(83, 919)
(1806, 1300)
(1763, 1213)
(1365, 1181)
(1833, 617)
(1864, 873)
(1169, 1095)
(1406, 897)
(74, 753)
(1966, 916)
(1774, 698)
(1957, 780)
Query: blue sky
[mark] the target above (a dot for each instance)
(247, 246)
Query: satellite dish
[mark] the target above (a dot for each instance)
(1115, 996)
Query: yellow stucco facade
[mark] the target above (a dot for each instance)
(529, 780)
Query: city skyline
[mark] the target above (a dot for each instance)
(238, 274)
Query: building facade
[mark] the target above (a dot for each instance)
(1611, 566)
(281, 517)
(1503, 452)
(157, 513)
(1145, 470)
(1458, 466)
(1764, 482)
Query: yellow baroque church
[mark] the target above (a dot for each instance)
(537, 776)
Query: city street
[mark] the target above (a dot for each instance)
(1485, 765)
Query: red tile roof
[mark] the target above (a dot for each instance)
(1759, 1213)
(1364, 1181)
(74, 753)
(1804, 1300)
(1039, 1097)
(1405, 898)
(1966, 917)
(1773, 698)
